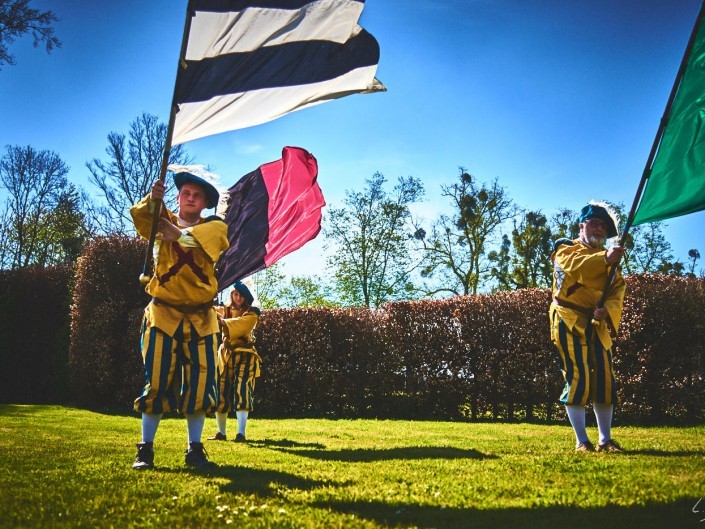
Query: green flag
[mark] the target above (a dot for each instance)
(676, 185)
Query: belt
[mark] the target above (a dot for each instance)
(568, 305)
(186, 309)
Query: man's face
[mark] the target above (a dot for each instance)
(191, 199)
(594, 232)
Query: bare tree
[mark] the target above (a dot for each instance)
(134, 164)
(41, 220)
(16, 19)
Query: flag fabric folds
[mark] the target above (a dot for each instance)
(676, 185)
(251, 61)
(271, 212)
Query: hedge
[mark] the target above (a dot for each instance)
(34, 334)
(105, 361)
(472, 357)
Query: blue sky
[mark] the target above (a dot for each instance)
(558, 99)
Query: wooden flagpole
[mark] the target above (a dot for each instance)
(654, 149)
(144, 276)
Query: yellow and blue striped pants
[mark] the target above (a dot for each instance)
(236, 381)
(586, 366)
(180, 371)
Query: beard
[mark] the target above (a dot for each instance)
(596, 242)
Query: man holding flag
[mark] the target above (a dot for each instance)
(180, 328)
(581, 326)
(240, 64)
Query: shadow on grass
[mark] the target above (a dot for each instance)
(678, 514)
(284, 443)
(251, 481)
(406, 453)
(666, 453)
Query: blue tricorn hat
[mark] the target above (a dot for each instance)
(594, 211)
(209, 189)
(244, 291)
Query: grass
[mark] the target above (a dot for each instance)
(65, 467)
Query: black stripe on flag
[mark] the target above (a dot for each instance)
(290, 64)
(224, 6)
(248, 229)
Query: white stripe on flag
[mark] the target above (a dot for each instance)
(246, 109)
(247, 67)
(214, 34)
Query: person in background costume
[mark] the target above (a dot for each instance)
(180, 330)
(238, 361)
(582, 331)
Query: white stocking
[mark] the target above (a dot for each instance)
(576, 415)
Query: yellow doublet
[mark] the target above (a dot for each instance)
(579, 278)
(238, 361)
(183, 276)
(238, 335)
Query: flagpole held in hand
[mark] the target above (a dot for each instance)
(144, 276)
(652, 154)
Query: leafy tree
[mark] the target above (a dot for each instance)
(306, 291)
(502, 260)
(16, 19)
(532, 244)
(275, 292)
(268, 283)
(456, 251)
(371, 233)
(670, 268)
(134, 165)
(564, 224)
(42, 218)
(647, 247)
(66, 228)
(694, 255)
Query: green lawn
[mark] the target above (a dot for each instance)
(65, 467)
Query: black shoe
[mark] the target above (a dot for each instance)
(239, 438)
(610, 446)
(218, 437)
(587, 446)
(145, 456)
(196, 456)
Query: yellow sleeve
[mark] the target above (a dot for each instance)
(584, 265)
(615, 301)
(212, 237)
(142, 215)
(240, 327)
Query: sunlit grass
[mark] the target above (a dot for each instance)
(64, 467)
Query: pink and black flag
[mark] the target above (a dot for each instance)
(271, 212)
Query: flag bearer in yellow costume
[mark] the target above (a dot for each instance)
(238, 361)
(180, 328)
(582, 331)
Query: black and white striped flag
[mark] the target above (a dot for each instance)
(251, 61)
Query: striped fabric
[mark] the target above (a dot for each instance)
(249, 62)
(236, 383)
(586, 367)
(169, 359)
